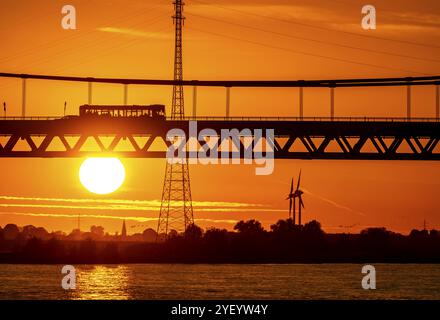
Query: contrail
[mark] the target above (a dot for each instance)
(331, 202)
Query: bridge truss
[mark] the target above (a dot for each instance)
(323, 138)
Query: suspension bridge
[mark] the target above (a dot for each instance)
(355, 138)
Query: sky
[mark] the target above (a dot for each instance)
(228, 40)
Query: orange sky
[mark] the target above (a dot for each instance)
(223, 40)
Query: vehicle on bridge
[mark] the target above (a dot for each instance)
(154, 111)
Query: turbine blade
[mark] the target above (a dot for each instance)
(301, 202)
(291, 186)
(299, 180)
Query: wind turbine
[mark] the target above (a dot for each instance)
(292, 200)
(291, 196)
(298, 194)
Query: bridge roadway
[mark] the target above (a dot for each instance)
(359, 138)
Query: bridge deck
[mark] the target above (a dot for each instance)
(294, 138)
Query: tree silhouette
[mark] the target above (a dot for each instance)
(284, 227)
(97, 230)
(313, 228)
(214, 236)
(217, 242)
(249, 227)
(249, 243)
(11, 232)
(193, 232)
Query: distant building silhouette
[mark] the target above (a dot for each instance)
(124, 230)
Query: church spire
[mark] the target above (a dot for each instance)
(124, 230)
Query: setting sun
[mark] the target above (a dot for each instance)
(102, 175)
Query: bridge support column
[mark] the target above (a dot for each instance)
(408, 102)
(125, 94)
(332, 103)
(301, 99)
(228, 100)
(437, 102)
(90, 94)
(194, 101)
(23, 97)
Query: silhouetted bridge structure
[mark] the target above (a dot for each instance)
(362, 138)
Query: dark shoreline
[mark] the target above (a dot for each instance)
(183, 251)
(250, 244)
(218, 263)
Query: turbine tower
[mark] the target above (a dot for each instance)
(292, 196)
(176, 212)
(298, 194)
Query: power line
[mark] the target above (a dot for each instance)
(93, 43)
(314, 40)
(407, 17)
(311, 54)
(72, 35)
(95, 57)
(109, 51)
(322, 28)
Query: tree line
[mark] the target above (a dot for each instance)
(249, 242)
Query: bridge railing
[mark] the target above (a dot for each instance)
(311, 119)
(251, 118)
(29, 118)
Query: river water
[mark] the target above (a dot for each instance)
(224, 281)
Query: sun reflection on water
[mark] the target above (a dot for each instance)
(102, 282)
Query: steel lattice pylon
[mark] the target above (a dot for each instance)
(176, 211)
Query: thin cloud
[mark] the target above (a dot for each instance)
(98, 216)
(57, 206)
(153, 203)
(319, 15)
(134, 33)
(122, 205)
(130, 208)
